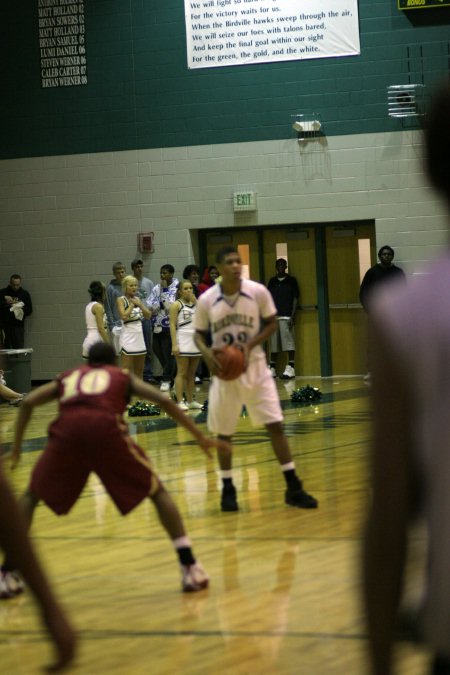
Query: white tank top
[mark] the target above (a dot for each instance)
(185, 315)
(91, 321)
(135, 314)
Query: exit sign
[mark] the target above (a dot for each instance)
(422, 4)
(244, 201)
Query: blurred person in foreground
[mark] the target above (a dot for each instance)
(16, 545)
(410, 343)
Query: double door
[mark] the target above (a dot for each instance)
(327, 261)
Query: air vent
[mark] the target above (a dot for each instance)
(405, 100)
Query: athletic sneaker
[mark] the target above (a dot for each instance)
(299, 498)
(195, 405)
(273, 372)
(165, 386)
(228, 500)
(10, 585)
(193, 578)
(183, 406)
(289, 373)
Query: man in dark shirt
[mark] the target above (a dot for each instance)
(379, 274)
(285, 293)
(15, 305)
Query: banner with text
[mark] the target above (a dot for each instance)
(240, 32)
(61, 42)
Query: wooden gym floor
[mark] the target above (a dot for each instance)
(284, 596)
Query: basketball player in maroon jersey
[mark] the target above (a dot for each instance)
(90, 434)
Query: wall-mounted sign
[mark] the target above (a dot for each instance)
(236, 32)
(244, 201)
(422, 4)
(62, 43)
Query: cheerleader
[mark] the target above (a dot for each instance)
(95, 318)
(183, 346)
(132, 310)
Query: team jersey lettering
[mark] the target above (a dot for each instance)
(229, 338)
(233, 319)
(92, 382)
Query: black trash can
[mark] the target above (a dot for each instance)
(17, 367)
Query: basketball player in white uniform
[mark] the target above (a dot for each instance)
(241, 312)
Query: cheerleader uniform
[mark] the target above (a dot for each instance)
(186, 330)
(131, 338)
(93, 335)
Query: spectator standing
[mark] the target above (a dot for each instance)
(15, 306)
(209, 277)
(145, 287)
(383, 271)
(114, 291)
(285, 293)
(192, 273)
(376, 276)
(159, 301)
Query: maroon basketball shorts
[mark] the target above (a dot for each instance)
(81, 441)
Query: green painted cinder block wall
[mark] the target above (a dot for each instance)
(140, 93)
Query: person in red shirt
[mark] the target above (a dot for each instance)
(90, 434)
(208, 279)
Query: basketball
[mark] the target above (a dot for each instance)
(232, 362)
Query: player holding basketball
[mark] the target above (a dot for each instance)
(89, 434)
(241, 312)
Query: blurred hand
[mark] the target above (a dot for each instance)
(245, 348)
(212, 363)
(207, 443)
(13, 457)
